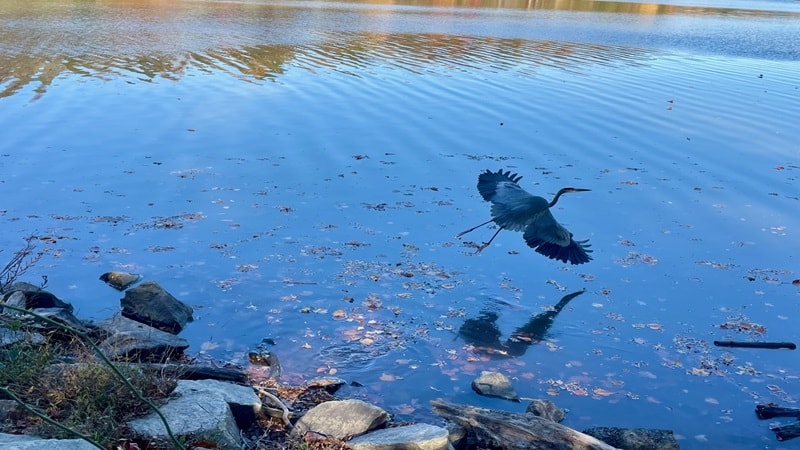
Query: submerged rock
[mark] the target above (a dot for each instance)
(546, 410)
(635, 438)
(494, 384)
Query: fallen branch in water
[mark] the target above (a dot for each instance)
(771, 345)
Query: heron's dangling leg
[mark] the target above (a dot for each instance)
(458, 236)
(486, 244)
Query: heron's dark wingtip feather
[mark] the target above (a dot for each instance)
(488, 180)
(577, 252)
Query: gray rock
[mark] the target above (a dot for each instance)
(8, 337)
(131, 340)
(150, 304)
(546, 410)
(62, 316)
(200, 411)
(494, 384)
(243, 401)
(418, 437)
(635, 438)
(28, 296)
(9, 410)
(26, 442)
(341, 419)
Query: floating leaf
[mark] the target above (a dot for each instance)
(602, 392)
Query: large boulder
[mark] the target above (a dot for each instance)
(200, 411)
(341, 419)
(151, 305)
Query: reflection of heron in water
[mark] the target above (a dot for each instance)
(515, 209)
(483, 332)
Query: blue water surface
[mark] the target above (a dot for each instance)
(298, 171)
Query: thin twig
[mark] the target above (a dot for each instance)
(276, 401)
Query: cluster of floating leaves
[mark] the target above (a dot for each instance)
(414, 276)
(634, 258)
(740, 324)
(168, 223)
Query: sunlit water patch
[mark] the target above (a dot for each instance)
(303, 180)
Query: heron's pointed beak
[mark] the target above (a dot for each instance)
(580, 190)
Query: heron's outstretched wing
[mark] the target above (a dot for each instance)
(550, 239)
(512, 206)
(488, 181)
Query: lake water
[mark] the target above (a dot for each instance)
(298, 170)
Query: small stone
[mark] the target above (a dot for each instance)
(546, 410)
(494, 384)
(120, 280)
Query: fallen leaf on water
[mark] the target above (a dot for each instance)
(406, 409)
(602, 392)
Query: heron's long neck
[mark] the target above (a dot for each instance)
(555, 199)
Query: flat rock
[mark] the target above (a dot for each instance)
(200, 411)
(494, 384)
(418, 436)
(131, 340)
(151, 305)
(341, 419)
(25, 442)
(635, 438)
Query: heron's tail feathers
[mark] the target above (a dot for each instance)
(487, 182)
(577, 252)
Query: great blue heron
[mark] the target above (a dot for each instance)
(515, 209)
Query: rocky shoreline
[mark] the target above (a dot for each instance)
(205, 406)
